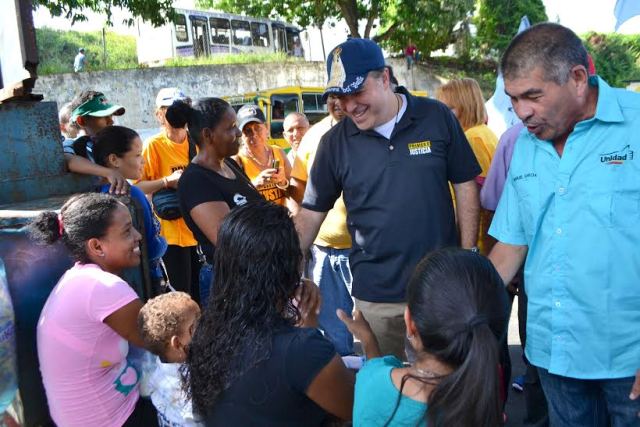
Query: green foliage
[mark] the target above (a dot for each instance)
(302, 13)
(235, 58)
(616, 56)
(453, 67)
(157, 12)
(57, 49)
(497, 22)
(429, 24)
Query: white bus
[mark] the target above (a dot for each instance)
(196, 33)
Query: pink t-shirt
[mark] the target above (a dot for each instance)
(82, 360)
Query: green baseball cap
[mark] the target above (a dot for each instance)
(97, 107)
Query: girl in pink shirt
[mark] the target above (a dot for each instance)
(90, 316)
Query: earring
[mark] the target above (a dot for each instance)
(102, 254)
(409, 337)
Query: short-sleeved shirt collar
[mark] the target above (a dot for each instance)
(607, 109)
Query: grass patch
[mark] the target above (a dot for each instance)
(57, 49)
(231, 58)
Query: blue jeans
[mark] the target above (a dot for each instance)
(206, 281)
(589, 403)
(330, 271)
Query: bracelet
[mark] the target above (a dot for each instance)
(285, 186)
(165, 182)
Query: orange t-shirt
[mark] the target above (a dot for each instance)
(269, 190)
(162, 157)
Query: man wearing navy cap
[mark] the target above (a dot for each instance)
(393, 157)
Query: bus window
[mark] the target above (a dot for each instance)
(279, 38)
(200, 32)
(220, 30)
(241, 32)
(260, 34)
(314, 107)
(281, 105)
(293, 41)
(180, 24)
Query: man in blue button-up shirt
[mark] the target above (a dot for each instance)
(571, 208)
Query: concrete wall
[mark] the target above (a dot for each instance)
(136, 89)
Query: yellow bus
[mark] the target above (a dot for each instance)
(278, 102)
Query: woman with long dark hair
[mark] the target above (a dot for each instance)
(255, 358)
(212, 184)
(456, 313)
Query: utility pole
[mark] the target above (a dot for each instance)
(324, 54)
(104, 47)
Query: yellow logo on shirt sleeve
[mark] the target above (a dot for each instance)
(418, 148)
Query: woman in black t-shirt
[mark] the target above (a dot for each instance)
(212, 184)
(256, 358)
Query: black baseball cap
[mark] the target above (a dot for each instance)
(249, 113)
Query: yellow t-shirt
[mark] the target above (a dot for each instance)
(162, 157)
(269, 190)
(333, 232)
(483, 143)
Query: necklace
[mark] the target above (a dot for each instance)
(426, 373)
(258, 162)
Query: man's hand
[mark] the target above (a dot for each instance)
(309, 301)
(361, 329)
(635, 389)
(119, 184)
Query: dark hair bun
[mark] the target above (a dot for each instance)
(45, 228)
(178, 114)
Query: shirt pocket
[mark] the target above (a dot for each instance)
(615, 200)
(625, 208)
(529, 204)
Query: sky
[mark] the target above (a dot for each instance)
(579, 15)
(589, 15)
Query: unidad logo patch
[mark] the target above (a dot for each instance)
(617, 157)
(419, 148)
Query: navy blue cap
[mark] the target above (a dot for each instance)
(349, 63)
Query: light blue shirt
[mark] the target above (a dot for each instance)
(579, 214)
(376, 398)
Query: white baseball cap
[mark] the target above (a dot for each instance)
(166, 96)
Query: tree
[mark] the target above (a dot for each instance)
(429, 24)
(303, 12)
(498, 21)
(615, 56)
(157, 12)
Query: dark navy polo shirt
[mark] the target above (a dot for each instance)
(396, 192)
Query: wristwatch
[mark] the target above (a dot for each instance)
(474, 249)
